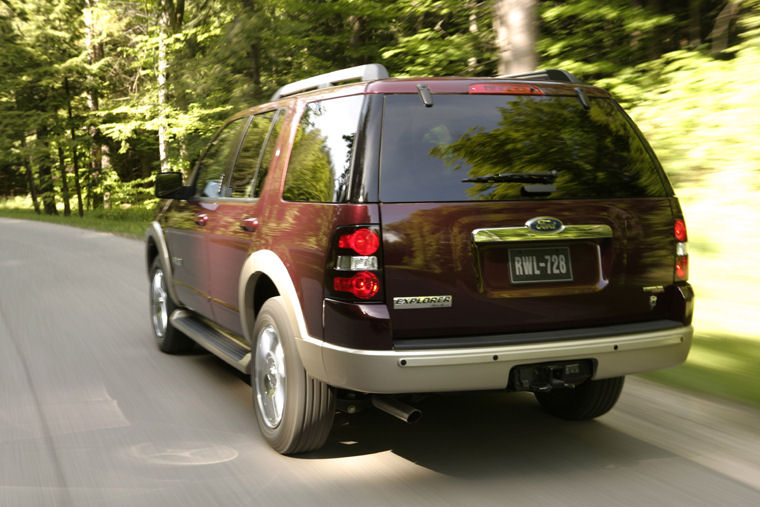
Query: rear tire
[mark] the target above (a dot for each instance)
(294, 411)
(587, 401)
(168, 338)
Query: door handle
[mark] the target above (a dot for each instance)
(201, 219)
(249, 224)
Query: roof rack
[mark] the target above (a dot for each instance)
(545, 75)
(368, 72)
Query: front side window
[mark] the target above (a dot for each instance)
(220, 156)
(507, 147)
(320, 161)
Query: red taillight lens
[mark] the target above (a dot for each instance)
(682, 268)
(361, 241)
(363, 285)
(505, 89)
(680, 230)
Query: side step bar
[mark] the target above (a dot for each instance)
(227, 349)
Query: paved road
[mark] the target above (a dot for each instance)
(91, 414)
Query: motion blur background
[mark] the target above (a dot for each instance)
(96, 96)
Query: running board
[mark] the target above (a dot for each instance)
(226, 348)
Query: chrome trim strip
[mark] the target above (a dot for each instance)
(509, 234)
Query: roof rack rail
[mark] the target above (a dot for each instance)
(368, 72)
(545, 75)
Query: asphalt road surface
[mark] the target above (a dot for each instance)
(92, 414)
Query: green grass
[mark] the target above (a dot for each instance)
(722, 365)
(130, 222)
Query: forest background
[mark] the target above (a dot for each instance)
(96, 96)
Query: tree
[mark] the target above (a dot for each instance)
(515, 30)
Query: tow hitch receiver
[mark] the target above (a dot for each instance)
(544, 377)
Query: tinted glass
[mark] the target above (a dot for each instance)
(320, 161)
(268, 154)
(218, 158)
(241, 182)
(568, 151)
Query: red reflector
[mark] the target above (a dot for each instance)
(362, 241)
(505, 89)
(363, 285)
(680, 230)
(682, 268)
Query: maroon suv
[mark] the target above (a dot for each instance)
(346, 243)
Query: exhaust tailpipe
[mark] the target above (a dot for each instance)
(396, 408)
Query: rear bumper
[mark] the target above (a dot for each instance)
(484, 368)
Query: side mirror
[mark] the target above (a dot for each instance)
(169, 186)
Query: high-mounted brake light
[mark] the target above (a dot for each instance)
(505, 89)
(363, 285)
(361, 241)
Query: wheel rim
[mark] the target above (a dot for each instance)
(270, 380)
(158, 304)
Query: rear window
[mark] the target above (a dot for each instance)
(545, 147)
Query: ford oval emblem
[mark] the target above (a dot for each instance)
(545, 225)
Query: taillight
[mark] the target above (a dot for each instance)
(680, 230)
(354, 269)
(681, 269)
(364, 285)
(362, 241)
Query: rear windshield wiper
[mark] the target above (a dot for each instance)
(537, 177)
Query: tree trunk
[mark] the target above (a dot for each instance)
(47, 189)
(64, 182)
(98, 159)
(472, 61)
(170, 22)
(722, 29)
(695, 23)
(515, 34)
(161, 78)
(74, 157)
(30, 178)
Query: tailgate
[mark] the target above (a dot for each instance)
(473, 269)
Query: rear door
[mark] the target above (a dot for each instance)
(189, 223)
(506, 214)
(236, 233)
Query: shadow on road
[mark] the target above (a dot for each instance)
(477, 435)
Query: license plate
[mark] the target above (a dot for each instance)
(540, 265)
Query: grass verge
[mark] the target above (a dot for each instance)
(124, 222)
(718, 364)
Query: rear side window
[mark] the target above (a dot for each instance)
(466, 146)
(320, 161)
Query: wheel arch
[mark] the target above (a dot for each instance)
(265, 275)
(155, 247)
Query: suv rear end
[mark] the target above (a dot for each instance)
(518, 224)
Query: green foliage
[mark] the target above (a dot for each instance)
(101, 59)
(718, 364)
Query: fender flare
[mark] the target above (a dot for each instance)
(155, 234)
(266, 262)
